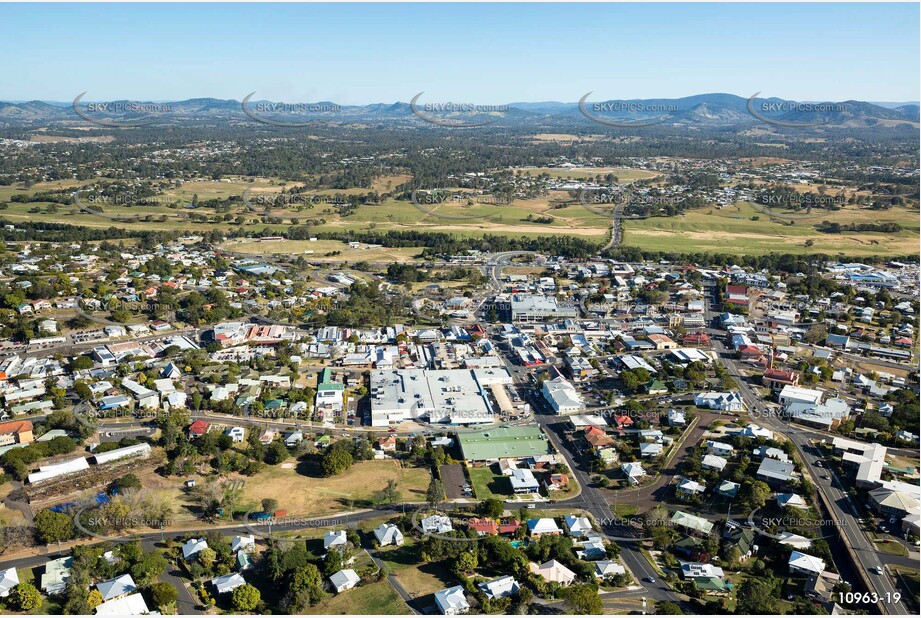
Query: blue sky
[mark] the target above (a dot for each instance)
(363, 53)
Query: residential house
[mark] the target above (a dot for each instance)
(227, 583)
(500, 588)
(804, 564)
(388, 534)
(343, 580)
(452, 601)
(553, 571)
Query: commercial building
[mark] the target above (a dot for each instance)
(503, 442)
(449, 396)
(529, 308)
(562, 396)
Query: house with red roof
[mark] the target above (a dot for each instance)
(623, 421)
(483, 526)
(749, 352)
(776, 379)
(198, 429)
(509, 527)
(598, 439)
(698, 339)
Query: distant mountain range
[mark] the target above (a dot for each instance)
(705, 111)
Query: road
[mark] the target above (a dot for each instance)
(152, 540)
(593, 500)
(844, 513)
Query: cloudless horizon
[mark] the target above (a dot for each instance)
(356, 54)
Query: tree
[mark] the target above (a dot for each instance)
(756, 596)
(26, 597)
(207, 556)
(163, 595)
(128, 482)
(245, 598)
(336, 461)
(82, 362)
(269, 505)
(668, 608)
(52, 527)
(491, 507)
(583, 599)
(435, 492)
(94, 599)
(389, 494)
(276, 453)
(148, 568)
(467, 562)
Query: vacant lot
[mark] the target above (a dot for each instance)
(376, 598)
(419, 580)
(488, 484)
(301, 489)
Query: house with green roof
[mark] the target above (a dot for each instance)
(692, 523)
(713, 585)
(503, 442)
(330, 399)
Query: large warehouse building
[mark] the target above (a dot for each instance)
(503, 442)
(447, 396)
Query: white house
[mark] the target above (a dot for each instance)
(713, 462)
(237, 434)
(116, 587)
(544, 525)
(242, 543)
(795, 394)
(131, 605)
(577, 525)
(719, 448)
(193, 547)
(226, 583)
(608, 568)
(452, 601)
(500, 588)
(9, 578)
(633, 470)
(343, 580)
(725, 402)
(791, 500)
(436, 523)
(804, 564)
(388, 534)
(334, 538)
(523, 481)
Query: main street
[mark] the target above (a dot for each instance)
(844, 512)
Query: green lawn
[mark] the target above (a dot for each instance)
(487, 484)
(376, 598)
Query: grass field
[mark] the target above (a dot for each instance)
(487, 484)
(302, 490)
(418, 579)
(732, 230)
(727, 230)
(376, 598)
